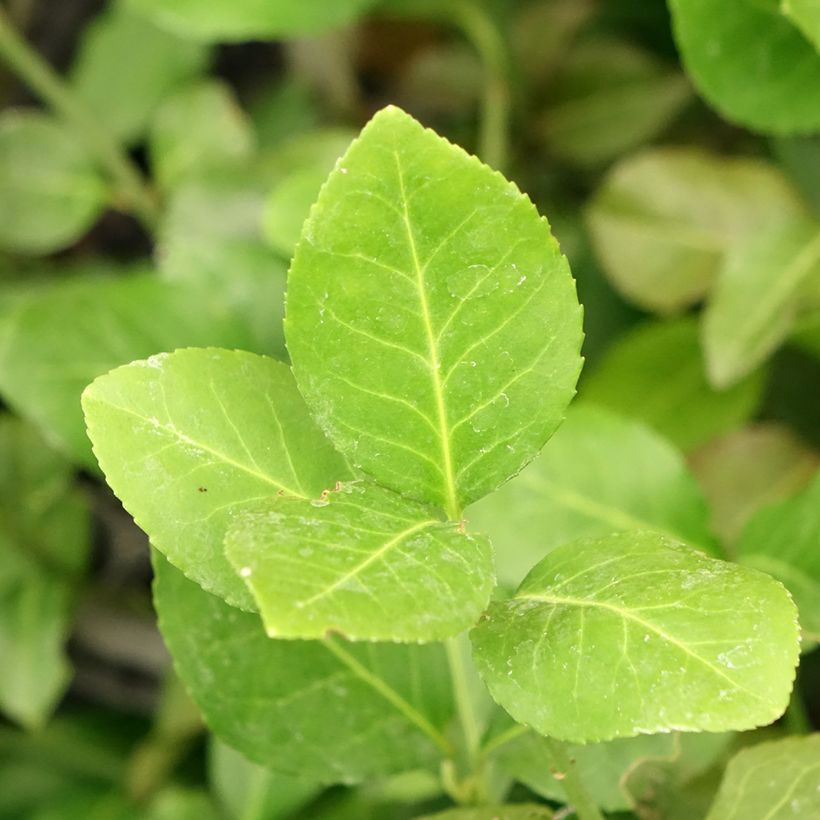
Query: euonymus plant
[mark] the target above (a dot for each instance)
(324, 577)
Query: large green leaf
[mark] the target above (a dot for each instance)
(757, 298)
(196, 129)
(124, 67)
(190, 439)
(56, 339)
(636, 634)
(329, 710)
(234, 20)
(599, 474)
(364, 562)
(656, 373)
(431, 318)
(748, 469)
(783, 539)
(663, 219)
(751, 62)
(609, 98)
(44, 540)
(771, 781)
(50, 189)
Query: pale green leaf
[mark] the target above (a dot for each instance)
(329, 710)
(210, 238)
(636, 634)
(783, 539)
(599, 474)
(279, 111)
(125, 65)
(248, 791)
(608, 98)
(189, 440)
(749, 468)
(364, 562)
(431, 318)
(601, 767)
(55, 340)
(771, 781)
(305, 163)
(196, 129)
(510, 811)
(236, 20)
(663, 219)
(751, 62)
(44, 541)
(656, 374)
(50, 190)
(757, 297)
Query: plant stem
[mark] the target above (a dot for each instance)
(51, 88)
(505, 737)
(583, 804)
(481, 30)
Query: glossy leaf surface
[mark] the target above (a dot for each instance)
(363, 562)
(190, 439)
(431, 319)
(636, 634)
(332, 711)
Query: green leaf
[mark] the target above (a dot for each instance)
(308, 160)
(805, 14)
(751, 62)
(748, 469)
(609, 98)
(189, 440)
(599, 474)
(601, 767)
(55, 340)
(329, 710)
(656, 374)
(176, 803)
(771, 781)
(248, 791)
(431, 318)
(663, 219)
(757, 298)
(511, 811)
(50, 190)
(363, 562)
(126, 65)
(44, 540)
(782, 539)
(198, 128)
(636, 634)
(236, 20)
(210, 238)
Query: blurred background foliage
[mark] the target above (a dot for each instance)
(157, 160)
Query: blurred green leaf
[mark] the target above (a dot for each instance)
(771, 781)
(607, 98)
(196, 129)
(782, 539)
(656, 373)
(248, 791)
(125, 65)
(757, 298)
(50, 190)
(598, 474)
(214, 432)
(806, 16)
(236, 20)
(56, 340)
(44, 542)
(751, 62)
(662, 220)
(284, 110)
(511, 811)
(584, 652)
(749, 468)
(176, 803)
(329, 710)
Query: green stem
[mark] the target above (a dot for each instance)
(464, 702)
(51, 88)
(583, 804)
(481, 30)
(495, 743)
